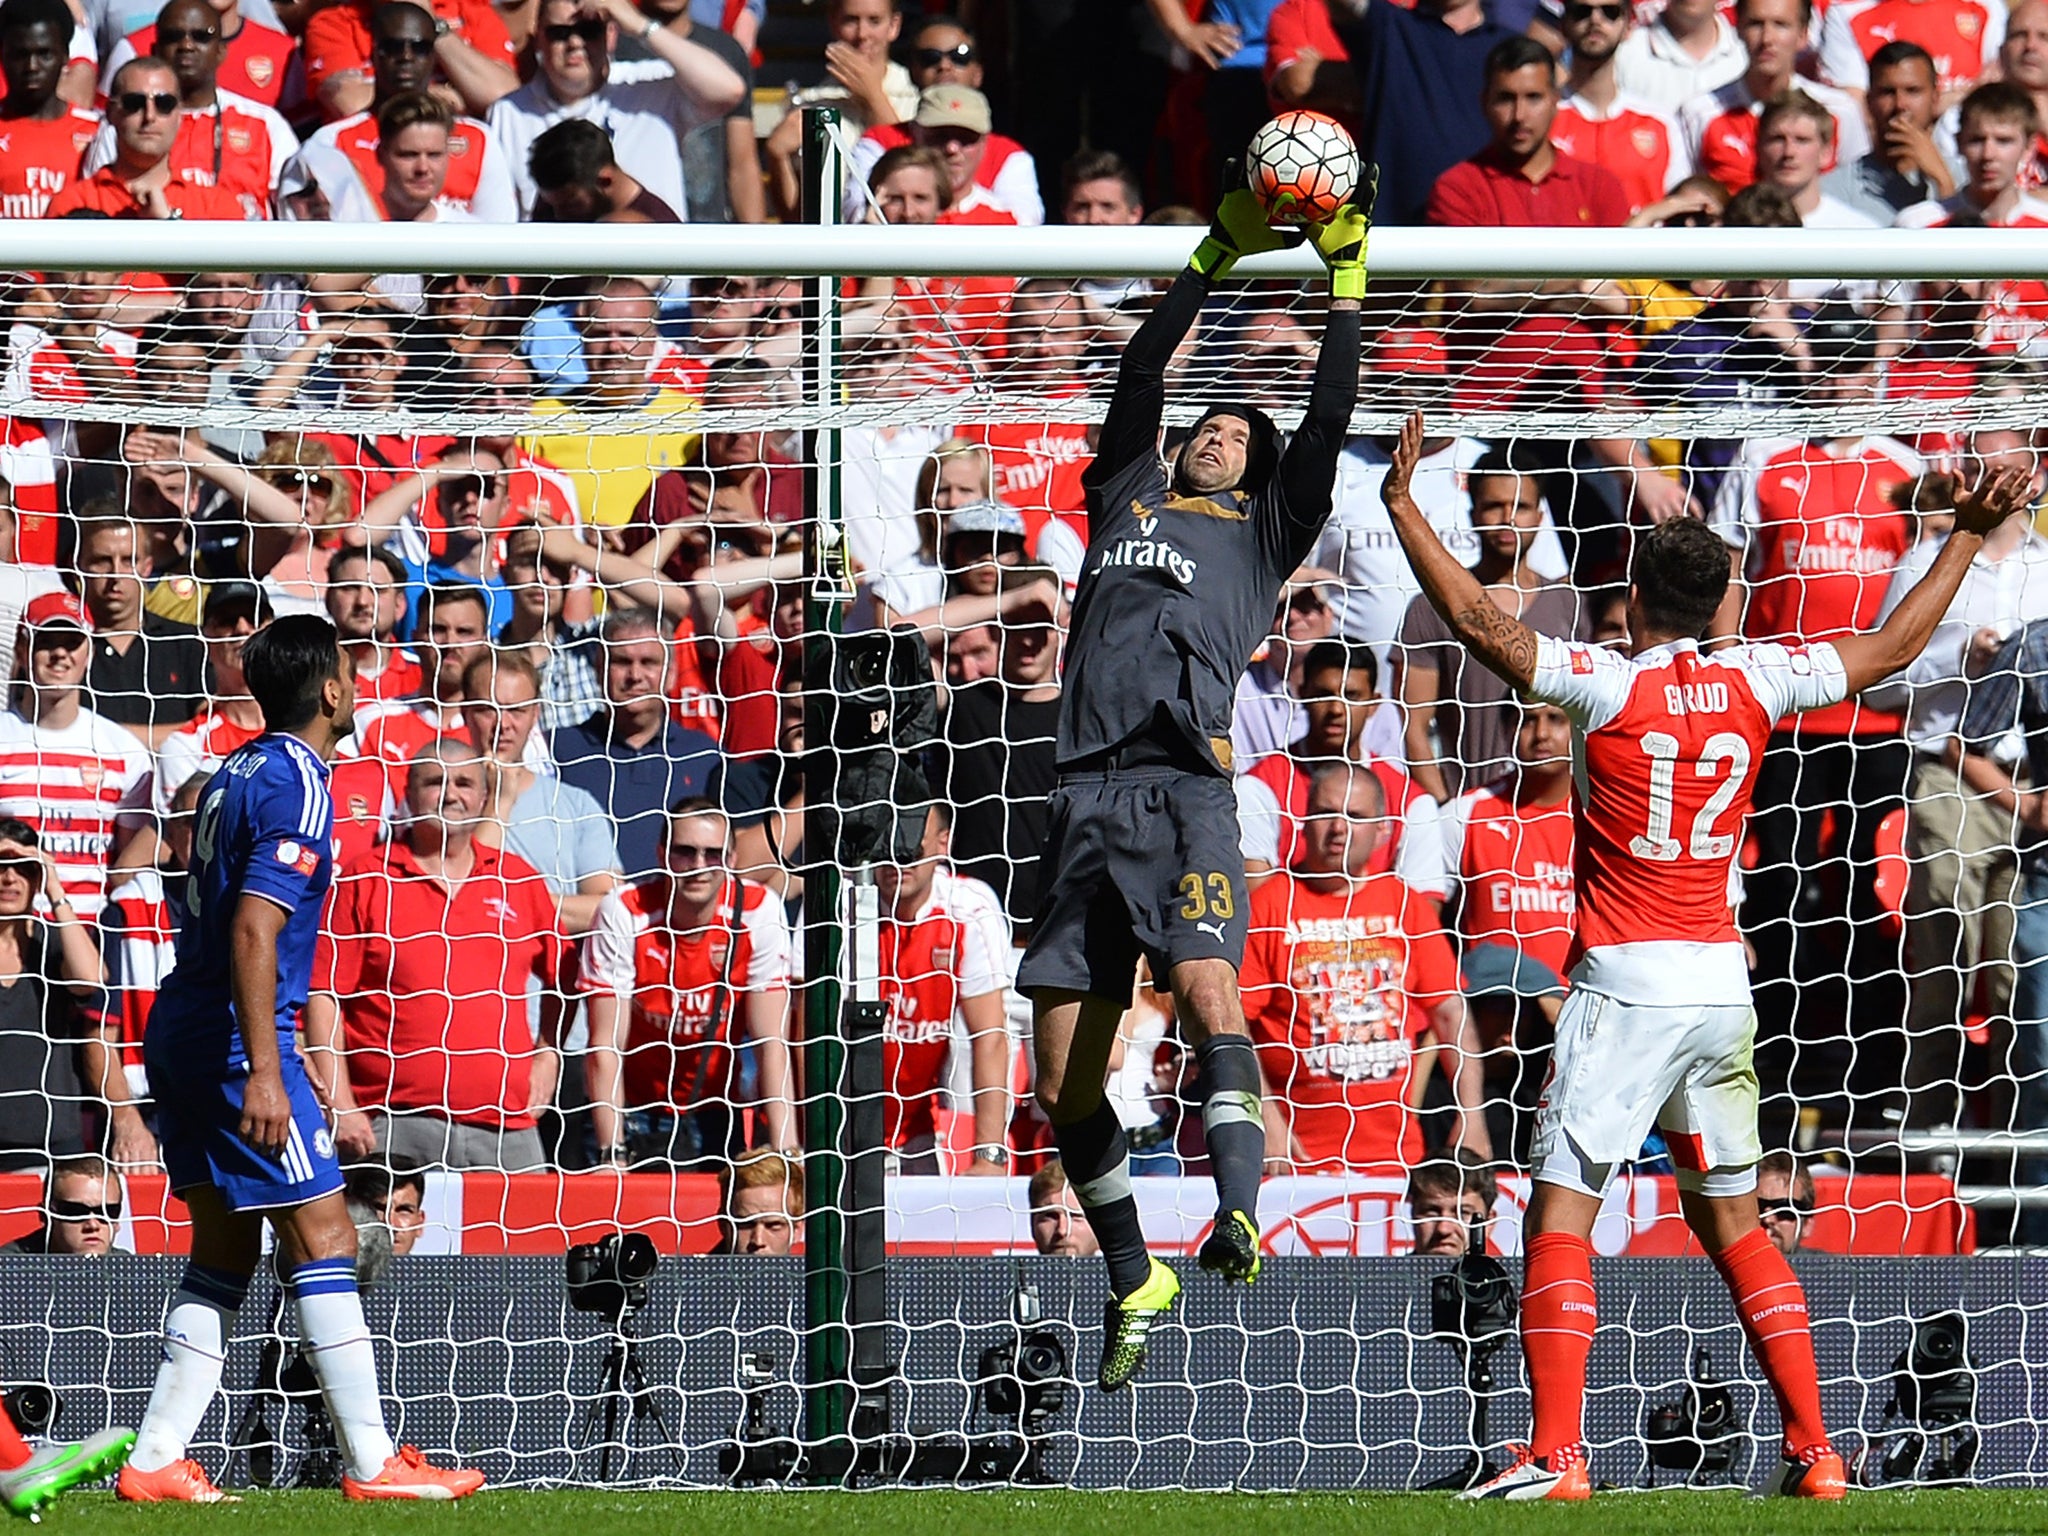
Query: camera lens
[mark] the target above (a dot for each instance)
(636, 1258)
(1038, 1361)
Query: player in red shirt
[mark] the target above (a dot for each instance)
(1658, 1030)
(683, 970)
(43, 138)
(945, 949)
(1349, 985)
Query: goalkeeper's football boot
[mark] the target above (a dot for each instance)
(1560, 1475)
(27, 1488)
(1232, 1248)
(1815, 1473)
(409, 1475)
(182, 1482)
(1127, 1326)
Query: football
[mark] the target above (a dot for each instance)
(1302, 166)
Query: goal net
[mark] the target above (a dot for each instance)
(609, 520)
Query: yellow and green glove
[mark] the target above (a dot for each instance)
(1340, 241)
(1239, 229)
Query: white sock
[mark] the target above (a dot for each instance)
(337, 1344)
(196, 1332)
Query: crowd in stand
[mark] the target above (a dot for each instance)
(570, 829)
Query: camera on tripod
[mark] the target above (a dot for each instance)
(1026, 1380)
(1934, 1386)
(611, 1276)
(1472, 1305)
(873, 708)
(1702, 1433)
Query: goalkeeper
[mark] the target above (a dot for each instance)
(1178, 587)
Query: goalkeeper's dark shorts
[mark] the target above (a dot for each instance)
(1139, 861)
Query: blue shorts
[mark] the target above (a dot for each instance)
(199, 1116)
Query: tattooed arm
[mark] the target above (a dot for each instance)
(1502, 644)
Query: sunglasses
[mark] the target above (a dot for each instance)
(562, 31)
(304, 479)
(187, 34)
(406, 47)
(78, 1210)
(1784, 1210)
(1587, 12)
(482, 487)
(134, 103)
(687, 854)
(961, 54)
(28, 869)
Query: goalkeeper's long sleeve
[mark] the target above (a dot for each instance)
(1308, 470)
(1131, 429)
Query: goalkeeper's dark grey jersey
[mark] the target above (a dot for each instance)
(1178, 590)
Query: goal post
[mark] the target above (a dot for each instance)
(883, 360)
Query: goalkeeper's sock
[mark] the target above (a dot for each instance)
(1232, 1124)
(1772, 1305)
(337, 1342)
(1557, 1336)
(196, 1332)
(1098, 1166)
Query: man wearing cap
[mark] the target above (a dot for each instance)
(1005, 171)
(81, 781)
(1178, 585)
(954, 120)
(234, 611)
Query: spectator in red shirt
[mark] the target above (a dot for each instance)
(430, 947)
(261, 63)
(365, 601)
(474, 53)
(1350, 988)
(1307, 64)
(46, 136)
(1720, 126)
(1520, 178)
(954, 121)
(1599, 122)
(141, 182)
(450, 630)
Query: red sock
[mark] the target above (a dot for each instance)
(1557, 1335)
(13, 1449)
(1772, 1306)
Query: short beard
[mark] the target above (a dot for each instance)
(1194, 477)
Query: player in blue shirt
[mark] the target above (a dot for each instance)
(243, 1134)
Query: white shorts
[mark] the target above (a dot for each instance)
(1619, 1069)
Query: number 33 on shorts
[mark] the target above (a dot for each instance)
(1206, 896)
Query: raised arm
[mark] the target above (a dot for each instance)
(1870, 659)
(1503, 645)
(1131, 428)
(1308, 469)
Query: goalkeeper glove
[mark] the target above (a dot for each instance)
(1340, 241)
(1239, 229)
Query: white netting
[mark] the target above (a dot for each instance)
(585, 446)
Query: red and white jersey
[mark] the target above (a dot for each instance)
(1667, 745)
(930, 965)
(39, 159)
(262, 63)
(139, 938)
(1036, 467)
(28, 465)
(395, 679)
(38, 367)
(1007, 174)
(1512, 866)
(363, 807)
(76, 785)
(1632, 138)
(1961, 36)
(2016, 312)
(393, 730)
(682, 992)
(1823, 535)
(1719, 130)
(1272, 801)
(238, 145)
(198, 746)
(479, 173)
(1338, 988)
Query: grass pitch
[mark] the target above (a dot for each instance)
(519, 1512)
